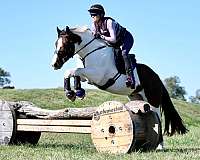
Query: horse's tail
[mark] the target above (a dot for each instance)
(171, 115)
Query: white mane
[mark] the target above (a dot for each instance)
(86, 32)
(80, 29)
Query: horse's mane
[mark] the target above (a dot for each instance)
(84, 29)
(80, 29)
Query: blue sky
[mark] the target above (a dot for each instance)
(167, 37)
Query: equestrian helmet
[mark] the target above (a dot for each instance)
(97, 9)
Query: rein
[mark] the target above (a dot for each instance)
(83, 59)
(85, 45)
(66, 58)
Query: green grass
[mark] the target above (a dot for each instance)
(79, 146)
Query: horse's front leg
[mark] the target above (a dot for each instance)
(67, 88)
(79, 92)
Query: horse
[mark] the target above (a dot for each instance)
(100, 69)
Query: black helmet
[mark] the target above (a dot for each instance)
(97, 9)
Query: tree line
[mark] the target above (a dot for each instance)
(172, 85)
(177, 91)
(4, 77)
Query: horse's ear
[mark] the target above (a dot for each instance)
(58, 31)
(67, 29)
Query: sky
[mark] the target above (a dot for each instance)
(166, 33)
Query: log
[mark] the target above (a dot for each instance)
(26, 109)
(23, 122)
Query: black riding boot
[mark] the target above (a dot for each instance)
(130, 82)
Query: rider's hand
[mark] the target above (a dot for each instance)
(97, 35)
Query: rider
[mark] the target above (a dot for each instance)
(109, 30)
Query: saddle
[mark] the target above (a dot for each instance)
(119, 61)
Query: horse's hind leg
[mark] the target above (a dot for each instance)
(160, 141)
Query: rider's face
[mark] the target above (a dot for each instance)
(95, 18)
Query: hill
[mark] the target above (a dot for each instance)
(76, 146)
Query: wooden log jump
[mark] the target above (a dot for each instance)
(114, 127)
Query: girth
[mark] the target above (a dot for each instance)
(109, 83)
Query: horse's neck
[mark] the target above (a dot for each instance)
(84, 48)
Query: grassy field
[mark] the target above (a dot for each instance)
(53, 146)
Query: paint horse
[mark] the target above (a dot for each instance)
(100, 69)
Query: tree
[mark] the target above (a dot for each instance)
(198, 94)
(175, 90)
(196, 98)
(4, 77)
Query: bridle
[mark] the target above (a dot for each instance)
(69, 48)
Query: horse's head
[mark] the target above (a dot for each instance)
(65, 47)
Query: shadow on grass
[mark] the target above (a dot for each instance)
(91, 148)
(72, 146)
(181, 150)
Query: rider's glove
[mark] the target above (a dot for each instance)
(97, 35)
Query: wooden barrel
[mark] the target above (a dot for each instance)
(7, 123)
(112, 128)
(8, 128)
(116, 129)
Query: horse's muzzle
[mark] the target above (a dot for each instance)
(56, 66)
(56, 63)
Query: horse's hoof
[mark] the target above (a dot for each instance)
(160, 147)
(80, 93)
(71, 95)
